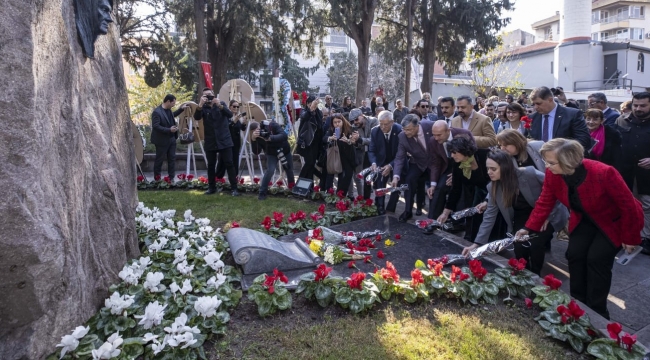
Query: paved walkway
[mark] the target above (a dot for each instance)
(629, 298)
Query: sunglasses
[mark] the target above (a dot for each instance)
(235, 107)
(424, 106)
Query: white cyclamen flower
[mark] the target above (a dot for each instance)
(184, 269)
(187, 338)
(129, 276)
(153, 280)
(207, 306)
(217, 281)
(167, 233)
(71, 342)
(117, 303)
(202, 222)
(109, 349)
(187, 286)
(213, 260)
(149, 337)
(144, 261)
(188, 215)
(180, 255)
(153, 315)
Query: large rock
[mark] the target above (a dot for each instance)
(66, 173)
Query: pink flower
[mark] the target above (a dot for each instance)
(529, 303)
(234, 224)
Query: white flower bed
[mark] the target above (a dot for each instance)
(169, 301)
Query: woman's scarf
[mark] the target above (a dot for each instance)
(599, 136)
(466, 166)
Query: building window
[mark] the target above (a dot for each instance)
(636, 34)
(604, 36)
(594, 17)
(548, 33)
(640, 63)
(623, 34)
(637, 12)
(594, 36)
(558, 27)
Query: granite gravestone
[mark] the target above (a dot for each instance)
(258, 253)
(68, 174)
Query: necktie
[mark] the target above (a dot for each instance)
(447, 120)
(545, 129)
(387, 136)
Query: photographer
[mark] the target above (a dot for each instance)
(310, 135)
(164, 133)
(236, 124)
(215, 115)
(270, 137)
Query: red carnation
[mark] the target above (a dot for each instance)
(330, 191)
(234, 224)
(203, 179)
(181, 176)
(380, 254)
(156, 177)
(291, 185)
(321, 209)
(241, 181)
(351, 263)
(340, 194)
(389, 272)
(367, 259)
(369, 202)
(270, 183)
(167, 180)
(356, 280)
(190, 177)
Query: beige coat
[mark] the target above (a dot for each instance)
(481, 127)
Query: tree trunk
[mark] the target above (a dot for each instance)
(362, 75)
(201, 43)
(429, 59)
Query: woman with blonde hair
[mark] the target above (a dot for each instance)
(602, 218)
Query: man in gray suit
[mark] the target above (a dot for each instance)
(413, 140)
(164, 133)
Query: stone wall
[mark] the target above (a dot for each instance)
(67, 177)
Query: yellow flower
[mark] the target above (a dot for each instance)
(389, 243)
(315, 246)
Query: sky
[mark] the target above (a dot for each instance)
(529, 11)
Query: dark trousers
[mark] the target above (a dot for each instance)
(437, 202)
(345, 178)
(591, 257)
(221, 166)
(413, 176)
(420, 195)
(166, 152)
(309, 167)
(271, 165)
(226, 156)
(533, 251)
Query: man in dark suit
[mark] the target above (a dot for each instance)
(553, 121)
(448, 109)
(599, 101)
(381, 153)
(216, 115)
(413, 140)
(441, 164)
(164, 133)
(423, 106)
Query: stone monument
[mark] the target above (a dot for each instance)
(67, 174)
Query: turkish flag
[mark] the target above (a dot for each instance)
(207, 73)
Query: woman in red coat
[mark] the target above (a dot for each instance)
(604, 216)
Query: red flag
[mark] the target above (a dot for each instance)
(207, 73)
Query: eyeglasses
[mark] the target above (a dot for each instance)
(235, 107)
(424, 106)
(548, 163)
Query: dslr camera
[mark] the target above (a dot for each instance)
(209, 102)
(556, 92)
(265, 130)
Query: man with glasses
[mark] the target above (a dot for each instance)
(236, 125)
(329, 104)
(422, 107)
(480, 126)
(362, 127)
(381, 153)
(598, 100)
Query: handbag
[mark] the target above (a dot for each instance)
(334, 165)
(186, 138)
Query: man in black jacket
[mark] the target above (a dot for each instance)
(270, 137)
(216, 115)
(164, 133)
(310, 136)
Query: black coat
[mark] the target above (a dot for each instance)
(161, 123)
(236, 128)
(346, 151)
(613, 152)
(635, 137)
(479, 179)
(215, 125)
(568, 123)
(277, 140)
(311, 126)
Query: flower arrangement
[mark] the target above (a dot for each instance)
(169, 300)
(548, 295)
(567, 323)
(620, 345)
(270, 293)
(519, 281)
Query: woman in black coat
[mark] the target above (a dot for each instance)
(345, 142)
(469, 179)
(606, 140)
(310, 135)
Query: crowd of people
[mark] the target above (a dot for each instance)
(533, 166)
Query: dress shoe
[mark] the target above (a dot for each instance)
(405, 216)
(210, 192)
(418, 212)
(235, 193)
(429, 229)
(262, 196)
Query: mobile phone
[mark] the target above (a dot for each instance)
(337, 132)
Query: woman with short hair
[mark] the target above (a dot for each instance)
(469, 178)
(604, 215)
(606, 140)
(525, 152)
(512, 194)
(514, 114)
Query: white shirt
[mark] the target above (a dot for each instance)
(466, 123)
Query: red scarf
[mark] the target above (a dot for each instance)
(598, 135)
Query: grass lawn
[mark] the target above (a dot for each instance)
(222, 208)
(439, 329)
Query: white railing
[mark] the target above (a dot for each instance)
(616, 18)
(618, 38)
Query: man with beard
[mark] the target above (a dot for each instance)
(479, 125)
(501, 122)
(447, 109)
(635, 162)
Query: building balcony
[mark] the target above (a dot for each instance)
(616, 18)
(620, 38)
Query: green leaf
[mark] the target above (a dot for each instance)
(262, 296)
(554, 299)
(579, 331)
(309, 276)
(540, 290)
(623, 354)
(222, 316)
(576, 344)
(584, 320)
(545, 325)
(265, 308)
(356, 306)
(476, 291)
(322, 291)
(410, 296)
(282, 302)
(602, 349)
(491, 289)
(557, 334)
(503, 272)
(552, 316)
(200, 339)
(132, 351)
(437, 283)
(518, 281)
(344, 296)
(499, 282)
(281, 290)
(419, 264)
(512, 290)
